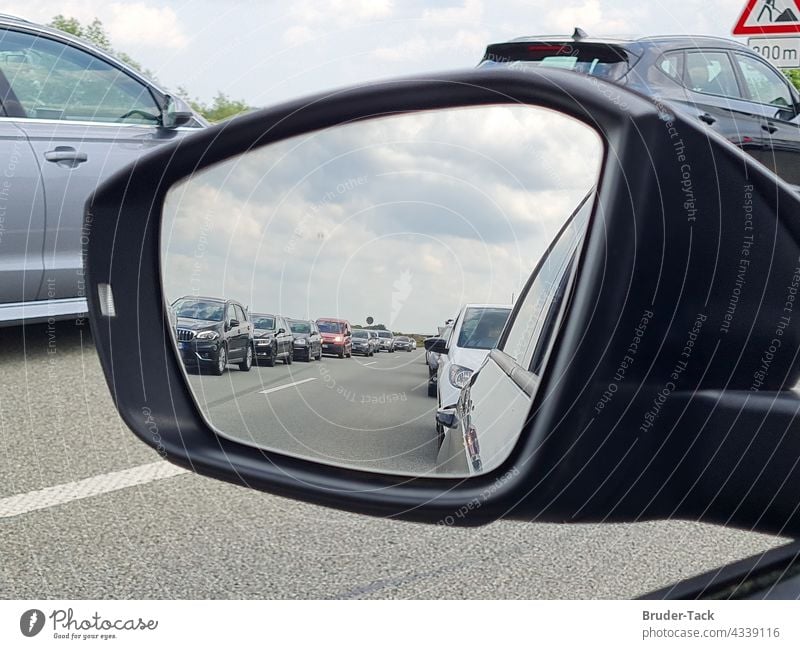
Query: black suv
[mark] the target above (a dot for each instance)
(720, 82)
(212, 332)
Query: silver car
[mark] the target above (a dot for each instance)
(70, 116)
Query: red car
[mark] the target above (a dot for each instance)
(336, 337)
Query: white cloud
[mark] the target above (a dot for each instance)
(127, 23)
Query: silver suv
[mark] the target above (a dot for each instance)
(70, 116)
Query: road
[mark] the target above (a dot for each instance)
(373, 412)
(87, 511)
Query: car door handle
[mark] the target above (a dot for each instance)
(707, 118)
(66, 156)
(769, 127)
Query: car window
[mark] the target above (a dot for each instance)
(711, 73)
(671, 65)
(762, 83)
(231, 313)
(52, 80)
(300, 327)
(199, 310)
(530, 319)
(330, 327)
(481, 327)
(266, 323)
(240, 316)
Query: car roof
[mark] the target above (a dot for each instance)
(661, 41)
(265, 315)
(204, 298)
(330, 320)
(486, 306)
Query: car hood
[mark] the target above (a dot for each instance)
(296, 336)
(470, 358)
(263, 333)
(197, 325)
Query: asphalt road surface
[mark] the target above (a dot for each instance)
(367, 411)
(88, 511)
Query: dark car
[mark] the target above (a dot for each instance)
(212, 332)
(307, 340)
(273, 339)
(363, 343)
(336, 336)
(403, 344)
(717, 81)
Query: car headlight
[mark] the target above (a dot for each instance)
(459, 375)
(338, 339)
(300, 341)
(207, 335)
(262, 341)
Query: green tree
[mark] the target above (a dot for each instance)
(794, 77)
(221, 107)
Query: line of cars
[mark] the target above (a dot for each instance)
(214, 332)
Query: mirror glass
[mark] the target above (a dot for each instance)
(303, 278)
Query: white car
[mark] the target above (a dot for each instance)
(475, 332)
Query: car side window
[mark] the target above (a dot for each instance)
(763, 84)
(671, 65)
(711, 73)
(230, 313)
(530, 320)
(240, 316)
(53, 80)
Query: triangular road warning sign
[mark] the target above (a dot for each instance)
(769, 17)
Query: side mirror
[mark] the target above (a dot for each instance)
(173, 118)
(447, 417)
(648, 366)
(437, 345)
(281, 330)
(233, 323)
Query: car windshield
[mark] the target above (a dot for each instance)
(200, 310)
(300, 327)
(482, 327)
(360, 334)
(402, 339)
(330, 327)
(384, 334)
(264, 322)
(598, 60)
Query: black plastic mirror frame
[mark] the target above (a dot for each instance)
(534, 482)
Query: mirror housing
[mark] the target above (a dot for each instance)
(436, 345)
(233, 323)
(171, 118)
(663, 397)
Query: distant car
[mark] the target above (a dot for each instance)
(403, 343)
(336, 336)
(386, 340)
(307, 339)
(273, 339)
(413, 343)
(363, 343)
(475, 332)
(72, 116)
(212, 332)
(720, 82)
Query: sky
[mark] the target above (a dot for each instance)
(401, 218)
(266, 52)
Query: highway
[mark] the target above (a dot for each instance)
(368, 411)
(87, 511)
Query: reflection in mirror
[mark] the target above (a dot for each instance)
(305, 279)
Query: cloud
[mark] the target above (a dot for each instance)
(460, 203)
(127, 24)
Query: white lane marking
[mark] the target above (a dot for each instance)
(288, 385)
(86, 488)
(372, 363)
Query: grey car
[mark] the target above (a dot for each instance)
(70, 117)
